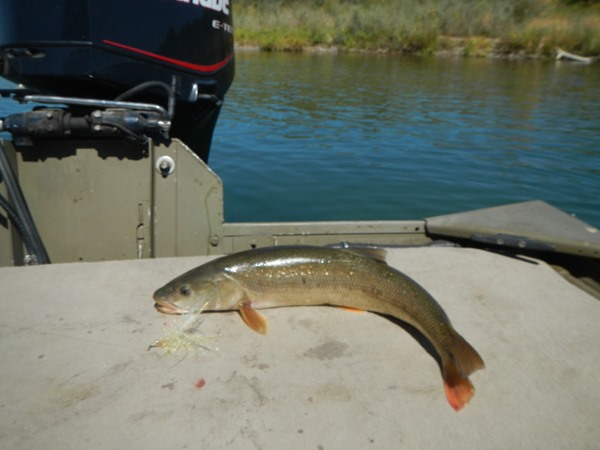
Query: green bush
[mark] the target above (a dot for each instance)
(419, 26)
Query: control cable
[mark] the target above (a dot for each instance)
(20, 211)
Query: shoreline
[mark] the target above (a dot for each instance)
(455, 51)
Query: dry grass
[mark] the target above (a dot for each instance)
(577, 30)
(533, 27)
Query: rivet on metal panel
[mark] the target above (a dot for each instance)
(165, 165)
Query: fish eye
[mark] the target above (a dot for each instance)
(185, 290)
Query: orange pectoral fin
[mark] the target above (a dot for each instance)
(253, 318)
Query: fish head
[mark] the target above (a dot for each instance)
(186, 296)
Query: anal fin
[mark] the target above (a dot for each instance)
(351, 309)
(253, 318)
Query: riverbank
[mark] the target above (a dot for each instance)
(503, 28)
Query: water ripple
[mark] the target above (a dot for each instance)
(334, 137)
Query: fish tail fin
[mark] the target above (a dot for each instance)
(463, 361)
(458, 388)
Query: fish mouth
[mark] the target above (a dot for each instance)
(166, 307)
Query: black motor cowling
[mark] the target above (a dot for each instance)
(99, 49)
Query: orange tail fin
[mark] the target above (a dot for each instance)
(459, 389)
(463, 361)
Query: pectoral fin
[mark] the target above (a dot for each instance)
(253, 318)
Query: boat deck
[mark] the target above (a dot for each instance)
(77, 372)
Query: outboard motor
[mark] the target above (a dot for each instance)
(111, 159)
(134, 69)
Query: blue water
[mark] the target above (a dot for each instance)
(333, 137)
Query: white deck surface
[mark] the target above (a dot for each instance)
(76, 372)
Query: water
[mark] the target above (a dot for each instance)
(367, 137)
(335, 137)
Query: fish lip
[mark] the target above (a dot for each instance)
(166, 308)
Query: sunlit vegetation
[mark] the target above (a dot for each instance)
(470, 27)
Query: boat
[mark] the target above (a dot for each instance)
(108, 194)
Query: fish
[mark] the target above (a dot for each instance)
(302, 275)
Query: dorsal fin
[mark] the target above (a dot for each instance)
(378, 254)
